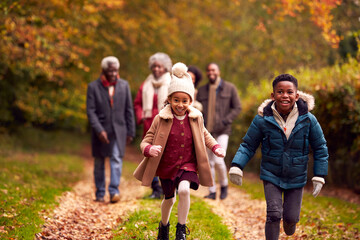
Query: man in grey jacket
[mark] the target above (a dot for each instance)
(110, 112)
(221, 105)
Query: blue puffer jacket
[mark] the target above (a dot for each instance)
(284, 161)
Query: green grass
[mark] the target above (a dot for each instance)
(36, 166)
(143, 224)
(320, 217)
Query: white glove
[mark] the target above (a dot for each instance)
(155, 150)
(235, 175)
(220, 152)
(318, 182)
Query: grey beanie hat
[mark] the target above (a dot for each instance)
(181, 81)
(162, 58)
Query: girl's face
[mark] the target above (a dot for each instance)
(285, 95)
(157, 69)
(179, 102)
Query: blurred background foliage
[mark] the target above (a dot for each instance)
(50, 50)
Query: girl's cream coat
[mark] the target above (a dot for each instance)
(158, 135)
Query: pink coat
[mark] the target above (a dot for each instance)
(158, 134)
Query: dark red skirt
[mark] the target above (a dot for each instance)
(169, 186)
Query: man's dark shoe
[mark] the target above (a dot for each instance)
(224, 192)
(163, 233)
(157, 190)
(99, 199)
(115, 198)
(211, 196)
(181, 231)
(155, 195)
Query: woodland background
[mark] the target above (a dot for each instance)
(50, 50)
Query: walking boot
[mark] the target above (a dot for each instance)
(163, 233)
(211, 196)
(224, 192)
(181, 231)
(157, 190)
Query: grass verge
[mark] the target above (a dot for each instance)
(143, 224)
(321, 217)
(36, 166)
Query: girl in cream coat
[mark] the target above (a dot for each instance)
(175, 149)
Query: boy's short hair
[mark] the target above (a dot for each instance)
(285, 77)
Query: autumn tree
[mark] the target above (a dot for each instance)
(51, 49)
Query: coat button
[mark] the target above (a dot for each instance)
(178, 166)
(181, 122)
(181, 157)
(182, 134)
(182, 145)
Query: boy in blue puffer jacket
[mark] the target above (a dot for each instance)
(285, 128)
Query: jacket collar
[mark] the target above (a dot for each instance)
(305, 104)
(221, 84)
(166, 112)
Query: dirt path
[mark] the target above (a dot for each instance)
(79, 217)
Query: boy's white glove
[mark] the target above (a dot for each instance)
(235, 175)
(318, 182)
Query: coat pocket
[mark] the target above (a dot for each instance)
(300, 160)
(273, 160)
(270, 166)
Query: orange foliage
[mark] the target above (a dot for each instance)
(320, 12)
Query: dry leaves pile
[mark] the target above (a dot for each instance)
(78, 216)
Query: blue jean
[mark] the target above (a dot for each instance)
(276, 208)
(115, 168)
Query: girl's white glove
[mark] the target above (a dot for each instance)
(220, 152)
(155, 150)
(318, 182)
(235, 175)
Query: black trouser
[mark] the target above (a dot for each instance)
(276, 208)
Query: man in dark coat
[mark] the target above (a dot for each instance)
(110, 112)
(221, 105)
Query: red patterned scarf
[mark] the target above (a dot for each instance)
(110, 86)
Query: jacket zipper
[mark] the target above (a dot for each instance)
(304, 144)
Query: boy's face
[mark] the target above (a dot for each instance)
(285, 95)
(179, 102)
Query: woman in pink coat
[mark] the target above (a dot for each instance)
(151, 97)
